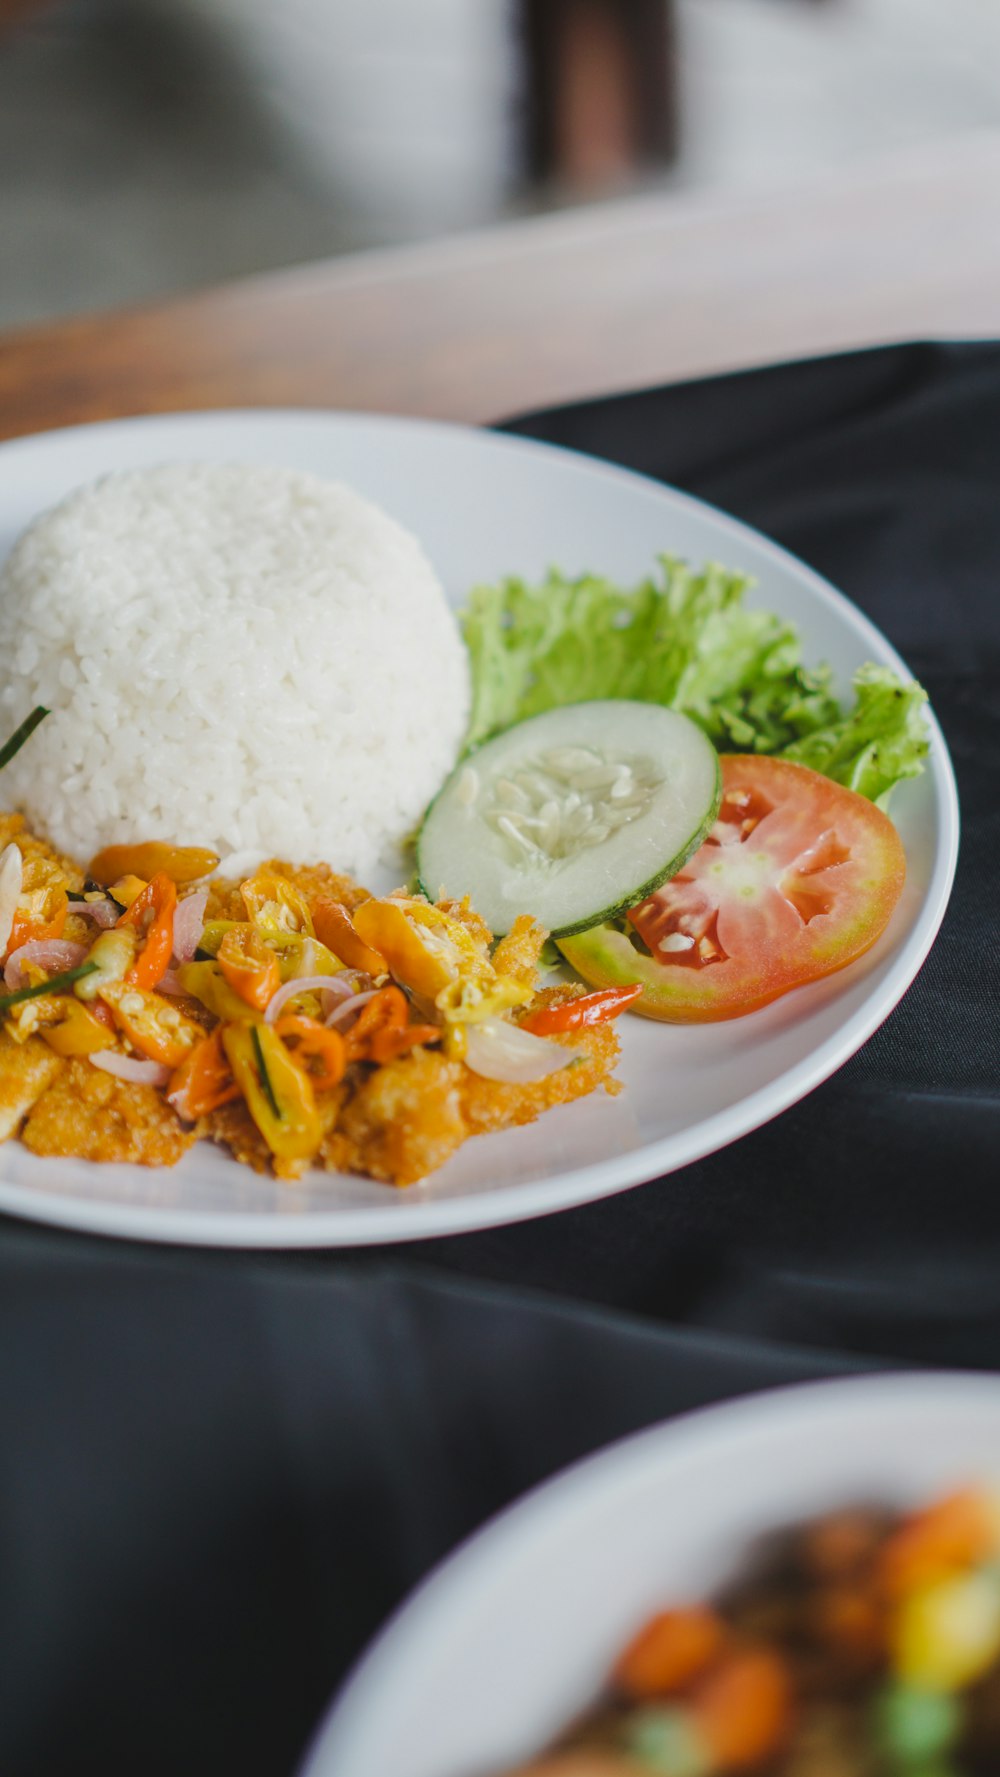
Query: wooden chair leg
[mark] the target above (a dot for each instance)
(601, 79)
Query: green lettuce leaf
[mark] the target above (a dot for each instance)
(685, 638)
(881, 740)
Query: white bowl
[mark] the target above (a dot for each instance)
(516, 1632)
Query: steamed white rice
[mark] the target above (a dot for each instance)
(252, 659)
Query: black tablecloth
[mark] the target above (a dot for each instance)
(220, 1471)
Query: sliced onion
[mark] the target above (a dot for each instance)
(104, 913)
(11, 882)
(51, 954)
(189, 923)
(303, 984)
(346, 1007)
(128, 1067)
(178, 1099)
(170, 984)
(353, 981)
(501, 1051)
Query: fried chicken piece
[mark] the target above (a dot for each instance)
(26, 1071)
(13, 830)
(488, 1105)
(406, 1119)
(233, 1126)
(93, 1116)
(403, 1121)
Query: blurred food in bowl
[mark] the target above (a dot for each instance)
(863, 1643)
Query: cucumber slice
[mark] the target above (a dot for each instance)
(571, 816)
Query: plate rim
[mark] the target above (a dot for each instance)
(506, 1204)
(575, 1488)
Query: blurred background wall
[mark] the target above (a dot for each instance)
(151, 146)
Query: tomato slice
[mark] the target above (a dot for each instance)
(797, 878)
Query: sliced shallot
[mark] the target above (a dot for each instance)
(51, 954)
(189, 923)
(170, 984)
(354, 1004)
(303, 984)
(128, 1067)
(500, 1051)
(103, 913)
(11, 879)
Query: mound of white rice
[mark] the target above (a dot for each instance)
(252, 659)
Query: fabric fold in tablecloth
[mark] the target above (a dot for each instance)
(219, 1472)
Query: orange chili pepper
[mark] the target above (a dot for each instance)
(182, 863)
(580, 1014)
(314, 1039)
(335, 929)
(382, 1031)
(152, 912)
(744, 1709)
(956, 1532)
(155, 1027)
(42, 907)
(673, 1650)
(25, 930)
(204, 1080)
(249, 966)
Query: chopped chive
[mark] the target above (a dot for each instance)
(21, 734)
(55, 984)
(265, 1078)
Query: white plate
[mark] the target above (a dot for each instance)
(484, 506)
(513, 1636)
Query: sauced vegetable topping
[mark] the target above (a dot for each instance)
(267, 1011)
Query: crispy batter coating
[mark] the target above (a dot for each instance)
(26, 1071)
(466, 915)
(518, 954)
(233, 1126)
(12, 828)
(90, 1114)
(402, 1121)
(488, 1105)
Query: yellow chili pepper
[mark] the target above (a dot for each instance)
(78, 1032)
(947, 1635)
(113, 952)
(206, 982)
(213, 932)
(182, 863)
(127, 889)
(278, 1094)
(275, 905)
(250, 968)
(437, 958)
(298, 954)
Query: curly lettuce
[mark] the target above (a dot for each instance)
(687, 639)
